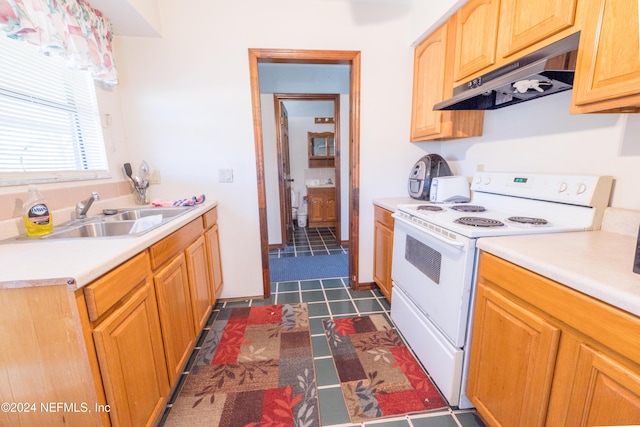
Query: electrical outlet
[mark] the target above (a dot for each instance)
(225, 175)
(154, 176)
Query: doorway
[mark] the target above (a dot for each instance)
(296, 162)
(351, 58)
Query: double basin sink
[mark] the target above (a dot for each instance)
(122, 223)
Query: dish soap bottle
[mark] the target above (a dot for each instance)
(37, 218)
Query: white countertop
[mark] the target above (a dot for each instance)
(390, 203)
(597, 263)
(25, 263)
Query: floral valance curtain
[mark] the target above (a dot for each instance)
(70, 28)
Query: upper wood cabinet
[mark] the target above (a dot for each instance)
(322, 149)
(524, 23)
(432, 83)
(477, 33)
(494, 33)
(608, 69)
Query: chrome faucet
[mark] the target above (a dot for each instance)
(82, 207)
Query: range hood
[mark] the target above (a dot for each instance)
(544, 72)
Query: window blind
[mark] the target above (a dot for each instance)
(50, 125)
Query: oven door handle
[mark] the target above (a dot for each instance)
(430, 233)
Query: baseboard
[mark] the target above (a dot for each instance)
(366, 286)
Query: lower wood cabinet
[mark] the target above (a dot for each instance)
(520, 348)
(112, 350)
(199, 282)
(212, 240)
(604, 392)
(322, 206)
(544, 354)
(382, 249)
(131, 356)
(176, 315)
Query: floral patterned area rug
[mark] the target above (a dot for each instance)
(255, 368)
(379, 375)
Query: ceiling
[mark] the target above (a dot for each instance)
(136, 18)
(141, 18)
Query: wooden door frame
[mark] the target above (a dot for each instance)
(281, 97)
(294, 56)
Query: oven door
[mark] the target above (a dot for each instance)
(436, 273)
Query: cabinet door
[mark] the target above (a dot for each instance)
(428, 84)
(215, 264)
(604, 392)
(608, 67)
(316, 209)
(199, 286)
(513, 353)
(132, 361)
(330, 207)
(526, 22)
(433, 82)
(476, 37)
(176, 315)
(382, 251)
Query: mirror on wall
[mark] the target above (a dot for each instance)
(321, 149)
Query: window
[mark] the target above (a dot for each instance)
(50, 127)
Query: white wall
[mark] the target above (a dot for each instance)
(541, 136)
(187, 109)
(187, 106)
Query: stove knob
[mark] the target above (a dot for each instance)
(487, 181)
(581, 188)
(562, 187)
(478, 179)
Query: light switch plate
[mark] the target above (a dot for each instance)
(225, 175)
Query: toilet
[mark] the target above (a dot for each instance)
(298, 210)
(295, 197)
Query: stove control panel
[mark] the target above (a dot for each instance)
(582, 190)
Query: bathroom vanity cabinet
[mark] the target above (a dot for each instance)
(321, 202)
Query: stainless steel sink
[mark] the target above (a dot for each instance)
(120, 224)
(133, 214)
(93, 229)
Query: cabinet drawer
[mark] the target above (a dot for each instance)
(384, 216)
(166, 248)
(105, 292)
(210, 218)
(573, 308)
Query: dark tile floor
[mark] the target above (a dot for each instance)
(332, 298)
(309, 242)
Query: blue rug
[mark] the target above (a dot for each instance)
(308, 267)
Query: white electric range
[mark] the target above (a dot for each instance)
(435, 257)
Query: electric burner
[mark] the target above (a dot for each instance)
(430, 208)
(477, 221)
(528, 220)
(468, 208)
